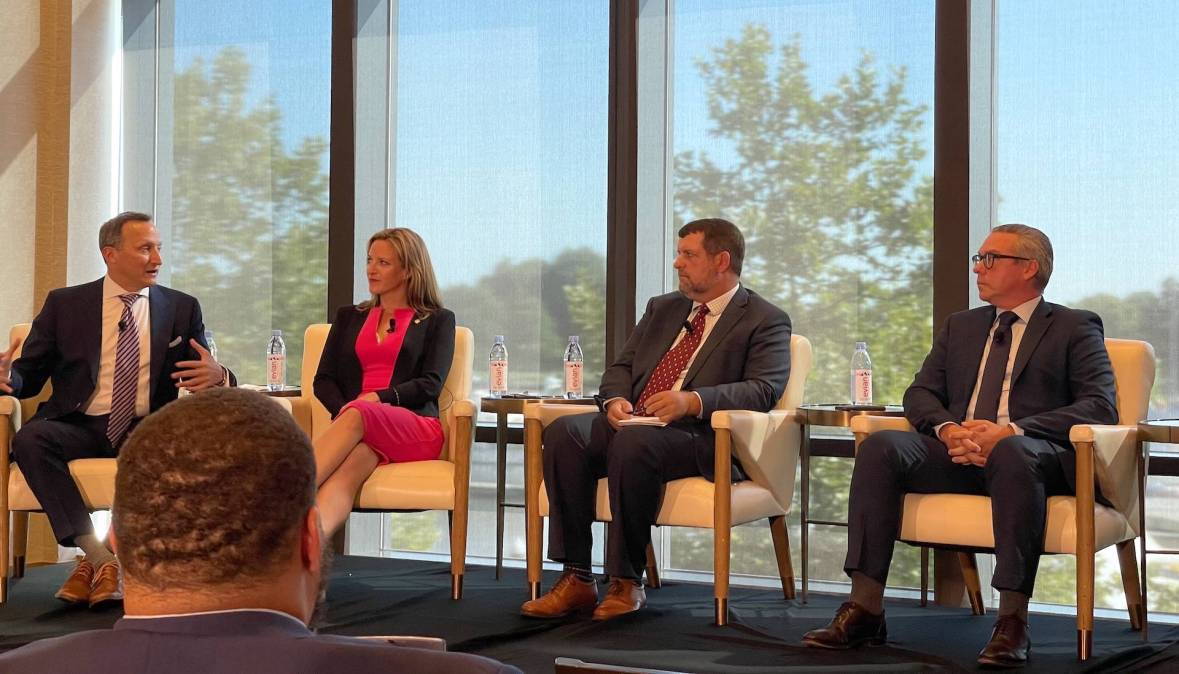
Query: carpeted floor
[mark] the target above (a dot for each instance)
(389, 597)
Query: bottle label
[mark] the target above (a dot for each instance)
(862, 387)
(499, 376)
(573, 377)
(276, 369)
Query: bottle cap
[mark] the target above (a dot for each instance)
(572, 339)
(276, 333)
(499, 339)
(861, 346)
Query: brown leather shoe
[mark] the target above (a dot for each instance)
(852, 626)
(568, 595)
(623, 596)
(107, 584)
(76, 589)
(1009, 645)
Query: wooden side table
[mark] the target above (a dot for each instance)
(823, 415)
(502, 407)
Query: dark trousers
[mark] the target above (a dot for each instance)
(43, 449)
(1019, 476)
(636, 462)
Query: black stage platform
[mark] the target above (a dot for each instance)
(391, 596)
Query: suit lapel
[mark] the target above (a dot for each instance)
(1037, 326)
(668, 327)
(975, 342)
(161, 309)
(728, 318)
(90, 315)
(411, 346)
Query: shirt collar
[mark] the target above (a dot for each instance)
(717, 306)
(111, 289)
(194, 614)
(1024, 311)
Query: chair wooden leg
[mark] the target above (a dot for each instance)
(533, 524)
(722, 518)
(458, 521)
(20, 542)
(973, 587)
(782, 552)
(652, 569)
(1128, 559)
(1086, 534)
(924, 575)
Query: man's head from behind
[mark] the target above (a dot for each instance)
(708, 258)
(130, 247)
(214, 508)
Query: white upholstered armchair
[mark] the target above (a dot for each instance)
(1076, 525)
(767, 446)
(442, 484)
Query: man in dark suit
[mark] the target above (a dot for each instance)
(216, 524)
(992, 406)
(714, 345)
(115, 350)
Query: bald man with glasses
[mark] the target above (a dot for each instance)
(992, 407)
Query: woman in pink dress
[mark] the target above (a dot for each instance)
(381, 373)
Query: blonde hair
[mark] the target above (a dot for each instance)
(421, 289)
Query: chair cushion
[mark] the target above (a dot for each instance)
(95, 479)
(688, 503)
(414, 485)
(959, 519)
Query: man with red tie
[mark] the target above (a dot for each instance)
(115, 350)
(713, 345)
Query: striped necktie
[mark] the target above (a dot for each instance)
(126, 381)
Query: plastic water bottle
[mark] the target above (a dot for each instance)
(276, 362)
(573, 362)
(498, 370)
(211, 344)
(861, 375)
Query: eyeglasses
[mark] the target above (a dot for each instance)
(988, 259)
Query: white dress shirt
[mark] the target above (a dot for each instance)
(112, 311)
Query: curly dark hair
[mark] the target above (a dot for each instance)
(212, 490)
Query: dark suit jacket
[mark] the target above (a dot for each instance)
(1061, 377)
(65, 342)
(743, 365)
(255, 641)
(422, 364)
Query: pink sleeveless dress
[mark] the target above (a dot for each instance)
(394, 433)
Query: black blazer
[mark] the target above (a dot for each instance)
(744, 364)
(65, 342)
(1061, 376)
(422, 364)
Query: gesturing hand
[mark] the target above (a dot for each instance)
(195, 375)
(6, 367)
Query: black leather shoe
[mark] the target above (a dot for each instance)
(1009, 645)
(852, 626)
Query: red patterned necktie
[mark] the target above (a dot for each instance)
(673, 362)
(126, 379)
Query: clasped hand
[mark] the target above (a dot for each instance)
(196, 375)
(971, 442)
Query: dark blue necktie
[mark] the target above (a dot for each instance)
(991, 388)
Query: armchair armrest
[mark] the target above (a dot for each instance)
(10, 412)
(767, 446)
(463, 408)
(867, 424)
(546, 413)
(1115, 463)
